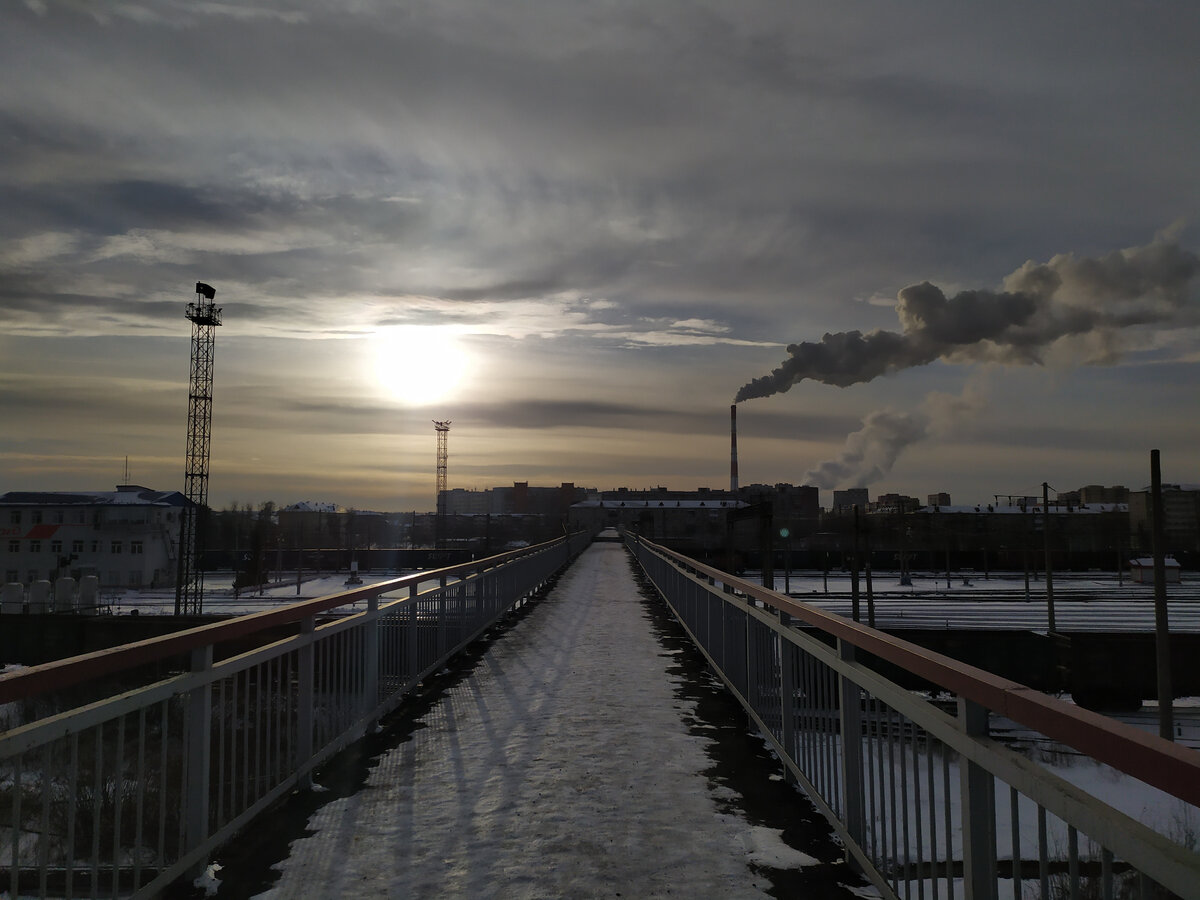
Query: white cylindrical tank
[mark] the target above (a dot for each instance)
(89, 592)
(12, 598)
(39, 597)
(64, 594)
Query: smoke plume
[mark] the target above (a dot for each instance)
(1040, 303)
(870, 452)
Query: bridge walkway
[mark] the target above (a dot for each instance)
(570, 761)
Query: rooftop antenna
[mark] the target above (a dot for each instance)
(204, 316)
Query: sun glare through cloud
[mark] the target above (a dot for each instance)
(419, 365)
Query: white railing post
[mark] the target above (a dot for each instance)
(850, 725)
(305, 698)
(410, 639)
(978, 796)
(199, 754)
(371, 656)
(787, 700)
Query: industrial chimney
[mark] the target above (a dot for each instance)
(733, 467)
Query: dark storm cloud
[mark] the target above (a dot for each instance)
(1067, 296)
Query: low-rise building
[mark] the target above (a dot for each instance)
(127, 537)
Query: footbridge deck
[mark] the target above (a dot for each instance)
(571, 758)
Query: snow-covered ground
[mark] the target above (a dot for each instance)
(221, 599)
(561, 766)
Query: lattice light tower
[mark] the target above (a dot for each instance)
(443, 433)
(204, 316)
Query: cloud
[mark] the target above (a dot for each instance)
(1041, 303)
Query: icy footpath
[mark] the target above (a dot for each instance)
(561, 766)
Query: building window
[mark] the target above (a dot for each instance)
(35, 546)
(76, 546)
(116, 546)
(33, 576)
(135, 546)
(135, 579)
(58, 517)
(95, 546)
(56, 546)
(14, 517)
(14, 546)
(36, 517)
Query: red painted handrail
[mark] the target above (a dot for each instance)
(74, 670)
(1165, 765)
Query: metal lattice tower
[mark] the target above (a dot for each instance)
(204, 316)
(443, 433)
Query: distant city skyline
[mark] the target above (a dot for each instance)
(929, 249)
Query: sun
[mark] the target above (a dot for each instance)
(419, 365)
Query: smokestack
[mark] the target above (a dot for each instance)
(733, 468)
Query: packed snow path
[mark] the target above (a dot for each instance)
(562, 765)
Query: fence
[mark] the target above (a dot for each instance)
(924, 801)
(126, 768)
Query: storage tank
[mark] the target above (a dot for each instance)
(12, 599)
(39, 597)
(64, 594)
(89, 592)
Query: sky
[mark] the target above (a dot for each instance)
(928, 246)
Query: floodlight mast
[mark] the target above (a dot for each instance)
(189, 585)
(443, 433)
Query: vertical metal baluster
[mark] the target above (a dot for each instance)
(827, 740)
(219, 712)
(15, 869)
(1073, 860)
(1014, 815)
(97, 804)
(1043, 854)
(289, 715)
(72, 807)
(1106, 874)
(118, 790)
(871, 833)
(246, 722)
(892, 809)
(882, 743)
(930, 748)
(163, 785)
(947, 807)
(806, 723)
(904, 849)
(918, 870)
(273, 718)
(139, 826)
(44, 836)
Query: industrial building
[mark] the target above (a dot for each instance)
(127, 537)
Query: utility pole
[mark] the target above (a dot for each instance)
(1162, 636)
(854, 606)
(1049, 572)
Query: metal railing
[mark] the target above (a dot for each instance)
(926, 804)
(122, 770)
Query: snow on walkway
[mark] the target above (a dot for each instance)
(560, 766)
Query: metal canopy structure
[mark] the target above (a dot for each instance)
(204, 316)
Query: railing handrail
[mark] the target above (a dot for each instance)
(1163, 764)
(68, 672)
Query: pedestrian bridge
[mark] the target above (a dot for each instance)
(563, 763)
